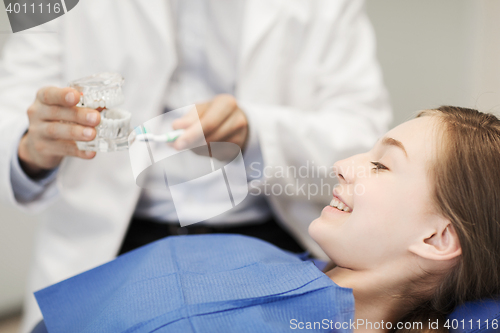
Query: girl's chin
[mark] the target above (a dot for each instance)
(320, 228)
(330, 216)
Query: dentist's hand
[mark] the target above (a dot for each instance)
(55, 123)
(221, 119)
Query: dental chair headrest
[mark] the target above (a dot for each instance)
(476, 317)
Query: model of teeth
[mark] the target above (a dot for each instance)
(336, 203)
(104, 91)
(115, 123)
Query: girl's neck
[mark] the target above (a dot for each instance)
(374, 297)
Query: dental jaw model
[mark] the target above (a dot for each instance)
(104, 91)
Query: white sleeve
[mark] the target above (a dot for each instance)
(349, 109)
(28, 62)
(25, 188)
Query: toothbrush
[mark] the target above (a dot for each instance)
(168, 137)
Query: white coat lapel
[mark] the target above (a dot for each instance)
(258, 19)
(159, 14)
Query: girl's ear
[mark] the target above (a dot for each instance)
(441, 243)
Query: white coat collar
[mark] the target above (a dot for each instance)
(258, 18)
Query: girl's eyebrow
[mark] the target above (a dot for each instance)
(393, 142)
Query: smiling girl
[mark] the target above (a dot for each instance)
(424, 235)
(413, 238)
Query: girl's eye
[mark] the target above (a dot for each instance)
(379, 166)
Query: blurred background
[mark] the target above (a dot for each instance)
(431, 52)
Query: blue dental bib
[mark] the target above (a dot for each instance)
(199, 283)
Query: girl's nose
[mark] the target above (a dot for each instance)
(345, 170)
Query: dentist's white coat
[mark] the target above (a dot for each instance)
(308, 80)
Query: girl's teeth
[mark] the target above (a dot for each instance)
(339, 205)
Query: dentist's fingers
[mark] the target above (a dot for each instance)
(55, 123)
(232, 128)
(191, 117)
(82, 116)
(220, 119)
(63, 148)
(65, 131)
(191, 135)
(58, 96)
(217, 113)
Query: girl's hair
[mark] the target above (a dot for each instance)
(466, 174)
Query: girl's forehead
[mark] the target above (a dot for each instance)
(418, 136)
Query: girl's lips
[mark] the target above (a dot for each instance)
(336, 196)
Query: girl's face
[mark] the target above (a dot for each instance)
(388, 194)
